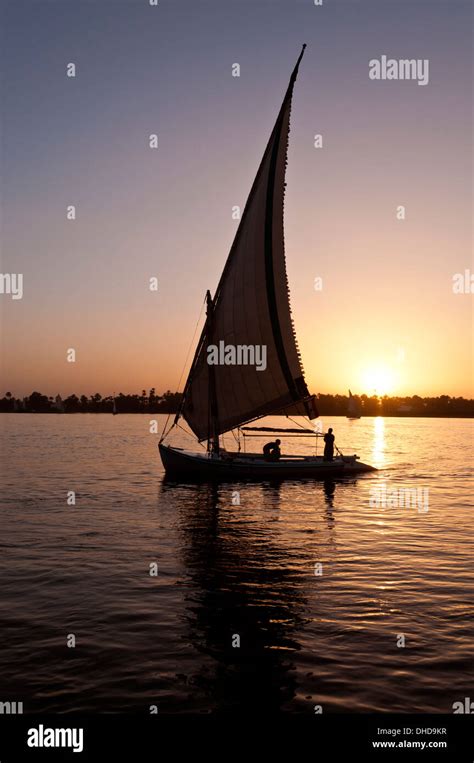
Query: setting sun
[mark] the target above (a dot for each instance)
(379, 380)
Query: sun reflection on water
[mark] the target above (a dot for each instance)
(378, 447)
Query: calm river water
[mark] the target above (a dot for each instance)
(321, 588)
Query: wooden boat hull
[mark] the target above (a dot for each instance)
(186, 464)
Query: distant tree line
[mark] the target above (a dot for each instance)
(149, 402)
(444, 405)
(168, 402)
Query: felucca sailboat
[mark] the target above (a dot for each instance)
(249, 317)
(353, 407)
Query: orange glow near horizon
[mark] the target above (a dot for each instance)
(380, 380)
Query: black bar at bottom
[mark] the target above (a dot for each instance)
(168, 737)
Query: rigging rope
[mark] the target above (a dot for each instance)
(189, 435)
(163, 434)
(297, 422)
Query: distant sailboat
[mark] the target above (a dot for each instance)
(353, 407)
(114, 408)
(58, 404)
(251, 310)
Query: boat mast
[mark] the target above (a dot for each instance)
(261, 315)
(213, 416)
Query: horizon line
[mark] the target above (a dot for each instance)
(11, 395)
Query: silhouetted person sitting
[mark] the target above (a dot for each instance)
(329, 445)
(271, 451)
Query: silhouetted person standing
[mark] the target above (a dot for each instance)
(271, 451)
(329, 445)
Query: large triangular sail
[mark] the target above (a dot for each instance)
(251, 309)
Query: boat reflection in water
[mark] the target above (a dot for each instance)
(249, 587)
(329, 490)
